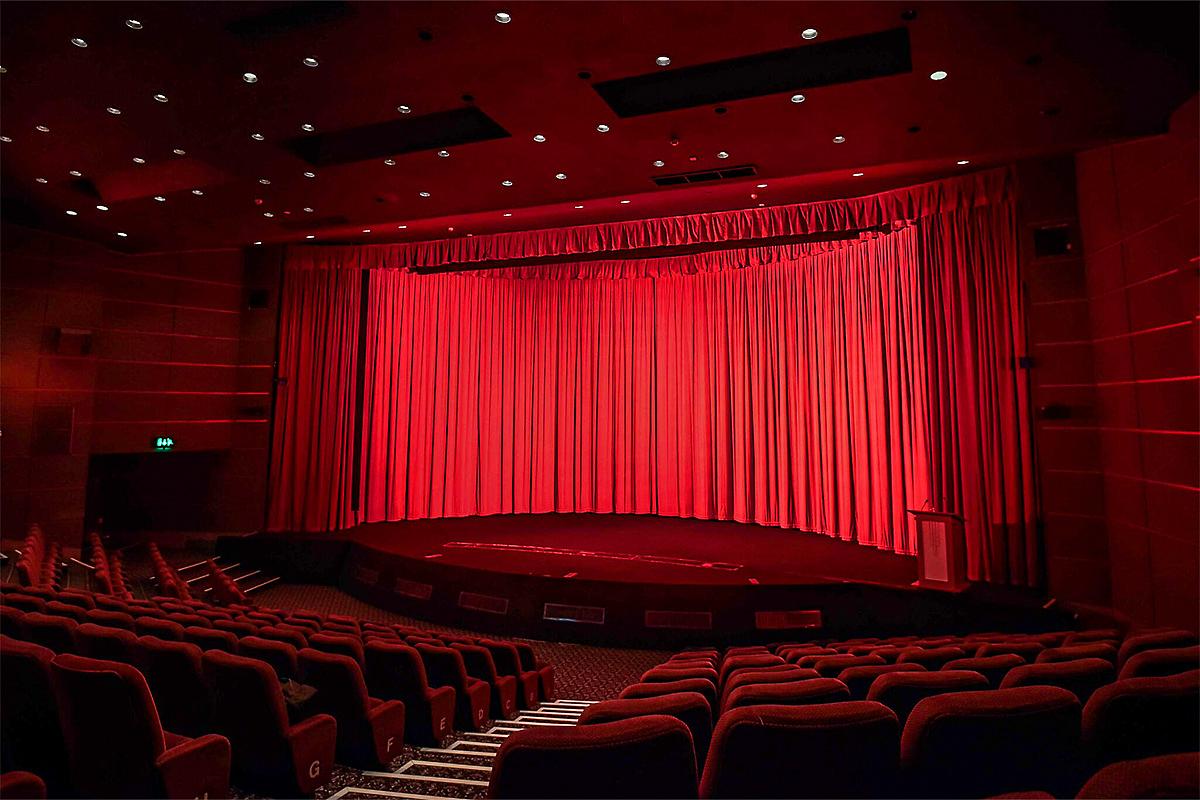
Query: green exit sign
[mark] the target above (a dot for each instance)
(164, 443)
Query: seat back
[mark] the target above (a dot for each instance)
(901, 691)
(859, 679)
(799, 693)
(747, 677)
(690, 708)
(994, 667)
(832, 666)
(983, 743)
(1140, 717)
(55, 608)
(444, 666)
(29, 725)
(339, 644)
(698, 685)
(1161, 662)
(631, 758)
(281, 656)
(248, 708)
(478, 661)
(504, 655)
(1176, 776)
(211, 638)
(174, 672)
(804, 751)
(162, 629)
(111, 726)
(1076, 651)
(931, 658)
(395, 672)
(111, 619)
(105, 644)
(1153, 641)
(1081, 677)
(55, 633)
(338, 679)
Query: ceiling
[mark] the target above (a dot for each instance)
(1023, 79)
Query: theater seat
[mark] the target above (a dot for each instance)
(631, 758)
(281, 656)
(845, 749)
(698, 685)
(55, 633)
(370, 732)
(1076, 651)
(445, 667)
(396, 672)
(994, 667)
(280, 634)
(1093, 635)
(747, 677)
(1161, 662)
(667, 672)
(979, 744)
(479, 664)
(111, 619)
(17, 785)
(690, 708)
(1027, 650)
(859, 679)
(162, 629)
(508, 662)
(932, 658)
(1081, 677)
(792, 655)
(238, 628)
(530, 663)
(1173, 776)
(12, 622)
(24, 602)
(211, 639)
(338, 644)
(732, 663)
(105, 644)
(799, 693)
(57, 609)
(1141, 717)
(901, 691)
(175, 675)
(29, 727)
(270, 756)
(1154, 640)
(115, 742)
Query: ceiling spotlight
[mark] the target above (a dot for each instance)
(503, 17)
(310, 174)
(249, 77)
(506, 182)
(808, 34)
(938, 75)
(268, 214)
(71, 213)
(443, 153)
(562, 176)
(258, 137)
(762, 186)
(197, 192)
(310, 236)
(962, 162)
(122, 234)
(839, 139)
(391, 162)
(162, 98)
(6, 139)
(626, 202)
(856, 174)
(307, 210)
(265, 181)
(404, 109)
(116, 112)
(133, 24)
(307, 127)
(401, 227)
(797, 98)
(508, 213)
(258, 243)
(602, 128)
(159, 198)
(366, 230)
(78, 42)
(663, 61)
(423, 194)
(579, 206)
(179, 151)
(41, 180)
(102, 208)
(310, 62)
(75, 173)
(139, 160)
(660, 163)
(537, 137)
(43, 128)
(722, 154)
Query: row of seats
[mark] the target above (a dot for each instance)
(39, 564)
(225, 590)
(170, 584)
(107, 572)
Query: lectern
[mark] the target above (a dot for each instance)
(941, 550)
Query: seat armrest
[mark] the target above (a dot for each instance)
(197, 768)
(387, 728)
(313, 742)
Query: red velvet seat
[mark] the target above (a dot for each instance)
(1080, 677)
(1093, 635)
(698, 685)
(396, 672)
(1172, 776)
(370, 732)
(1141, 717)
(211, 639)
(830, 666)
(1077, 651)
(29, 727)
(106, 644)
(1025, 649)
(12, 622)
(845, 749)
(55, 633)
(799, 693)
(339, 644)
(280, 634)
(263, 617)
(18, 785)
(859, 679)
(159, 628)
(667, 672)
(901, 691)
(445, 667)
(236, 627)
(545, 671)
(24, 602)
(1161, 662)
(747, 677)
(270, 756)
(632, 758)
(57, 609)
(994, 668)
(889, 653)
(111, 619)
(746, 650)
(110, 603)
(508, 662)
(482, 666)
(931, 658)
(732, 663)
(1153, 640)
(979, 744)
(281, 656)
(175, 674)
(115, 743)
(690, 708)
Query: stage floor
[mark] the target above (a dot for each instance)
(636, 549)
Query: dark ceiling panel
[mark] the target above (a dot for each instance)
(856, 58)
(288, 18)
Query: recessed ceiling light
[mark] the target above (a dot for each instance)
(133, 24)
(401, 227)
(159, 198)
(660, 163)
(663, 61)
(722, 154)
(508, 213)
(963, 162)
(938, 75)
(139, 160)
(310, 174)
(3, 70)
(78, 42)
(71, 213)
(249, 77)
(265, 181)
(258, 137)
(268, 214)
(310, 236)
(503, 17)
(626, 202)
(6, 139)
(116, 112)
(122, 234)
(179, 151)
(43, 129)
(602, 128)
(257, 243)
(307, 210)
(562, 176)
(197, 192)
(451, 229)
(307, 127)
(762, 186)
(839, 139)
(160, 97)
(579, 206)
(310, 62)
(102, 207)
(762, 205)
(808, 33)
(797, 98)
(391, 162)
(506, 182)
(443, 153)
(423, 194)
(41, 180)
(75, 173)
(856, 174)
(537, 137)
(366, 230)
(404, 109)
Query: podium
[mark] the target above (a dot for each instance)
(941, 550)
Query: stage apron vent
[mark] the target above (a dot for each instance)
(483, 602)
(413, 589)
(560, 612)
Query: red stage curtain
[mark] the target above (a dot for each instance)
(820, 387)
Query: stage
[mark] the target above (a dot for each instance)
(622, 578)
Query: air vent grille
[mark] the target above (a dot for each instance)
(561, 612)
(706, 175)
(483, 602)
(414, 589)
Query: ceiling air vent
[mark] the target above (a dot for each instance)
(705, 175)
